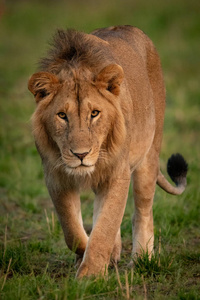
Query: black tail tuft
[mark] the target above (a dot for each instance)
(177, 168)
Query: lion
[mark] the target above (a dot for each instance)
(98, 124)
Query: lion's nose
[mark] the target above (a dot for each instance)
(80, 155)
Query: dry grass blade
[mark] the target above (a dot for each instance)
(127, 285)
(131, 288)
(118, 278)
(145, 288)
(47, 219)
(171, 262)
(5, 238)
(53, 221)
(4, 281)
(159, 249)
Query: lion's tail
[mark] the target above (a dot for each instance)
(177, 169)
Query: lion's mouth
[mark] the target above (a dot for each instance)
(87, 166)
(78, 167)
(81, 169)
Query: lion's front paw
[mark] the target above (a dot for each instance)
(82, 271)
(89, 269)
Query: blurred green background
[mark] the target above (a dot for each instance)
(26, 27)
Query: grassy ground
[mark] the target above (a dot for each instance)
(34, 261)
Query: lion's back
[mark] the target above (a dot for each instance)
(126, 36)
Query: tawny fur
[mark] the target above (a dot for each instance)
(109, 87)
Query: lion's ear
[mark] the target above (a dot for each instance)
(110, 78)
(42, 84)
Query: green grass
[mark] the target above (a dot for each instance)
(34, 260)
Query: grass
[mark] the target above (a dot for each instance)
(34, 260)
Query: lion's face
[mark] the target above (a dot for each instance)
(79, 126)
(79, 115)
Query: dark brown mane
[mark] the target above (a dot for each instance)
(73, 48)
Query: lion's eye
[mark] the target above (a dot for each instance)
(62, 115)
(94, 113)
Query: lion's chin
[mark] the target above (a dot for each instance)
(80, 170)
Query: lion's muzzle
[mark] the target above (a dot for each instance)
(81, 156)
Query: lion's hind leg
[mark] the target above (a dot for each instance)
(144, 181)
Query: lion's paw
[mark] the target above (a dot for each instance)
(87, 270)
(82, 271)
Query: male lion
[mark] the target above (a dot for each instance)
(99, 120)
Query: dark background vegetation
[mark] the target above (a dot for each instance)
(34, 261)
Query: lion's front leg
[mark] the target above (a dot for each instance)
(144, 181)
(116, 252)
(111, 204)
(68, 208)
